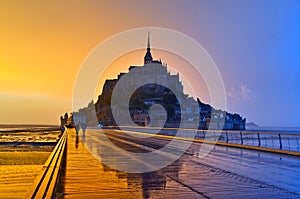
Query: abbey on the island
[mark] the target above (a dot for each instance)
(161, 88)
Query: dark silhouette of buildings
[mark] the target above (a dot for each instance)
(147, 95)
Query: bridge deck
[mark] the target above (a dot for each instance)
(84, 176)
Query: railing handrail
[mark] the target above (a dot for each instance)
(274, 132)
(44, 185)
(281, 140)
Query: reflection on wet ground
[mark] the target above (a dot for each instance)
(224, 173)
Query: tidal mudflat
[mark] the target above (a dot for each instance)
(22, 155)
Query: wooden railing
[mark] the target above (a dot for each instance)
(44, 185)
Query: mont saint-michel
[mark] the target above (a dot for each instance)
(152, 84)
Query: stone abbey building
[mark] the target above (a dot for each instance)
(152, 84)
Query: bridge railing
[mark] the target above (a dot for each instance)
(44, 185)
(274, 140)
(281, 140)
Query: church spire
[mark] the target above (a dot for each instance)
(148, 44)
(148, 57)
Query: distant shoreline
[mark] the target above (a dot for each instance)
(27, 128)
(28, 125)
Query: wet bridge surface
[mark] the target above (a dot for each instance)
(224, 173)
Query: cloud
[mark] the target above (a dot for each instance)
(242, 93)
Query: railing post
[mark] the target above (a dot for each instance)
(226, 133)
(204, 135)
(258, 137)
(241, 138)
(280, 142)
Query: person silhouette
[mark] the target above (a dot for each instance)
(77, 141)
(77, 128)
(83, 127)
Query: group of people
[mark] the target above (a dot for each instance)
(73, 121)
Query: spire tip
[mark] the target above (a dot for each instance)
(148, 45)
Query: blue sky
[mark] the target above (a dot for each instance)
(256, 45)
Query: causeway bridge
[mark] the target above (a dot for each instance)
(238, 165)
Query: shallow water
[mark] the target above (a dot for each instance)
(27, 136)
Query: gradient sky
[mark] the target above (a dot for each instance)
(255, 44)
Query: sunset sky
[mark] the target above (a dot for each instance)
(255, 44)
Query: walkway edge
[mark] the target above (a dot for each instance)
(45, 183)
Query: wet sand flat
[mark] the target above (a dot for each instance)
(15, 180)
(18, 171)
(23, 151)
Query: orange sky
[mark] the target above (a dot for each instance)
(42, 48)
